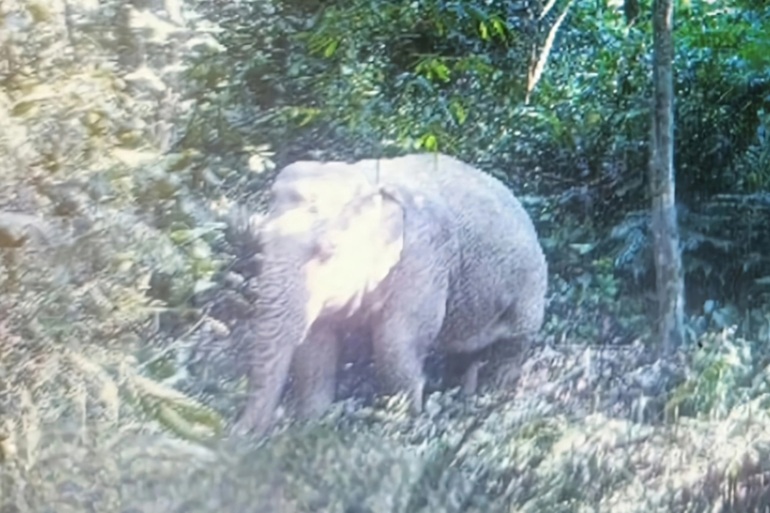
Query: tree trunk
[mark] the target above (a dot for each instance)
(668, 261)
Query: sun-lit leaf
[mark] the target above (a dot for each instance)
(483, 30)
(26, 108)
(583, 248)
(499, 28)
(331, 47)
(428, 142)
(39, 11)
(458, 110)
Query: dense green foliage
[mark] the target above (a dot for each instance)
(369, 77)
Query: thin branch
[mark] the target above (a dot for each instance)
(546, 9)
(540, 66)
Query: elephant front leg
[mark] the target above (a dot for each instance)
(315, 372)
(268, 371)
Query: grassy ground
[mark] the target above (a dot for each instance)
(583, 431)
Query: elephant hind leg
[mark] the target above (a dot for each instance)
(314, 368)
(408, 327)
(399, 367)
(462, 369)
(467, 356)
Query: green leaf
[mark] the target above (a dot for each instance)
(458, 111)
(483, 31)
(25, 107)
(498, 26)
(440, 70)
(331, 47)
(582, 249)
(181, 236)
(429, 142)
(433, 68)
(306, 114)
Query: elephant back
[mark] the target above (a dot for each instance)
(499, 272)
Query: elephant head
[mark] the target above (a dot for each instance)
(424, 251)
(329, 240)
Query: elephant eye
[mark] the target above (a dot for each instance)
(323, 250)
(288, 195)
(290, 201)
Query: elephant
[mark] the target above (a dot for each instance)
(424, 252)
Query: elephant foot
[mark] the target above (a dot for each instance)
(414, 394)
(470, 379)
(250, 424)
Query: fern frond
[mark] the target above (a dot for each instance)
(176, 411)
(108, 390)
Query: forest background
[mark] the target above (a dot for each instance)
(129, 129)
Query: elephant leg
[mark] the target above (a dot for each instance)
(470, 379)
(408, 327)
(265, 389)
(314, 368)
(462, 369)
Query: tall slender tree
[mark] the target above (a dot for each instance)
(665, 232)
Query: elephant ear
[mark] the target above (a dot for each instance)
(358, 250)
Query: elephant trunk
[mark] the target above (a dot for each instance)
(280, 325)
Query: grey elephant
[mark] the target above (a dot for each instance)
(424, 252)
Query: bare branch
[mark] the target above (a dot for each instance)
(537, 72)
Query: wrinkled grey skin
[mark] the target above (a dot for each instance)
(423, 251)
